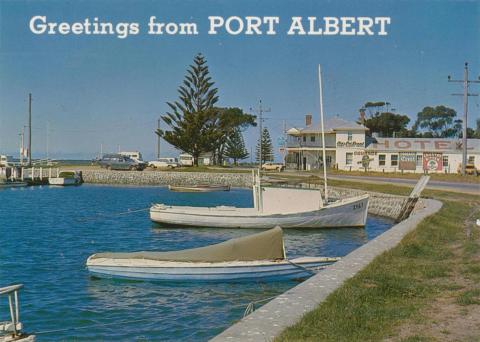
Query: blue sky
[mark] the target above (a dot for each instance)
(103, 90)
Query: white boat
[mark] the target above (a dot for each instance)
(350, 212)
(273, 206)
(257, 257)
(65, 178)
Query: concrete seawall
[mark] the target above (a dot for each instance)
(379, 204)
(288, 308)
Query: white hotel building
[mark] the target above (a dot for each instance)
(349, 148)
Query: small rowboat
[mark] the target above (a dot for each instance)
(199, 188)
(257, 257)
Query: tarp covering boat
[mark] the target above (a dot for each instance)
(267, 245)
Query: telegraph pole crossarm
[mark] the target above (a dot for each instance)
(466, 82)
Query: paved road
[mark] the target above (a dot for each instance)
(469, 188)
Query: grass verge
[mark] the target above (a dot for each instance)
(398, 284)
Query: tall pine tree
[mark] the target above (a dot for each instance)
(267, 148)
(192, 119)
(235, 147)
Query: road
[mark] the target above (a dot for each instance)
(468, 188)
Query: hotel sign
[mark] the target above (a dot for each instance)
(412, 144)
(432, 161)
(407, 161)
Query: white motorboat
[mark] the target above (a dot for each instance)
(65, 178)
(257, 257)
(273, 206)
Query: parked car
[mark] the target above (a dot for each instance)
(164, 162)
(273, 167)
(120, 162)
(470, 169)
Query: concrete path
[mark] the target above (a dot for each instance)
(468, 188)
(287, 309)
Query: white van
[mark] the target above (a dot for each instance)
(135, 155)
(186, 159)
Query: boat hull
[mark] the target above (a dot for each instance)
(63, 181)
(207, 272)
(346, 213)
(13, 185)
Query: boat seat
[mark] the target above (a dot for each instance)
(8, 327)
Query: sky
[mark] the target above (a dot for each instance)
(93, 90)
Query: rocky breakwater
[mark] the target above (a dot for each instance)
(242, 180)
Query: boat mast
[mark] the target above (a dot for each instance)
(324, 161)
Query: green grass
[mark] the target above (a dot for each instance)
(469, 297)
(399, 283)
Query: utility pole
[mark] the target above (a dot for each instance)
(465, 95)
(30, 130)
(48, 140)
(284, 143)
(260, 111)
(21, 145)
(158, 139)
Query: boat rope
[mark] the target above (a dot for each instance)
(301, 267)
(91, 326)
(251, 306)
(102, 215)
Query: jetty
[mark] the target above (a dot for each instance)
(30, 175)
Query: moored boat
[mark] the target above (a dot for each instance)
(257, 257)
(198, 188)
(12, 184)
(65, 178)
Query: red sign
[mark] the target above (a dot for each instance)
(432, 161)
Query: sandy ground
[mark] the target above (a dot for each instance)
(445, 319)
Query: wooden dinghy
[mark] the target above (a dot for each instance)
(257, 257)
(199, 188)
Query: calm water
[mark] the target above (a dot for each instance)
(47, 233)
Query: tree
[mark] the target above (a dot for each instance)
(267, 148)
(230, 121)
(386, 123)
(438, 122)
(192, 119)
(235, 147)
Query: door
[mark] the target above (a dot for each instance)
(304, 164)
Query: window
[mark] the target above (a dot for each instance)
(304, 138)
(445, 161)
(349, 136)
(419, 160)
(381, 160)
(394, 160)
(312, 138)
(349, 158)
(471, 160)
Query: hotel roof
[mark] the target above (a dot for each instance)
(331, 125)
